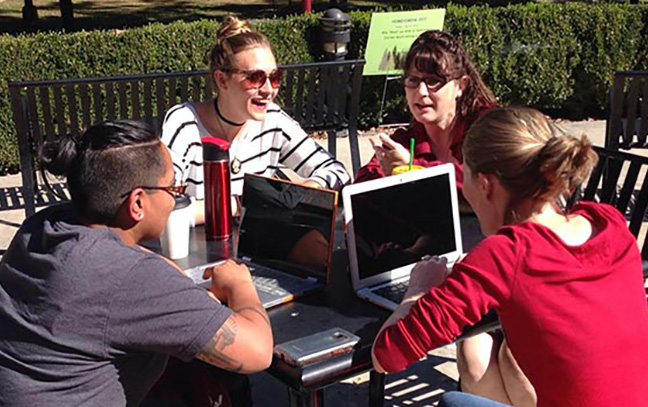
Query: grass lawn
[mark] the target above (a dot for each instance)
(92, 14)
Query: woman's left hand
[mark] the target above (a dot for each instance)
(430, 272)
(389, 153)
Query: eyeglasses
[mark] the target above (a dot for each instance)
(174, 190)
(256, 78)
(433, 83)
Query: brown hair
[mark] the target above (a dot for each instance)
(437, 52)
(234, 36)
(531, 157)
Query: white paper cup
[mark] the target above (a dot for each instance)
(175, 237)
(192, 213)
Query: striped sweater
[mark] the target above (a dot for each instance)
(261, 149)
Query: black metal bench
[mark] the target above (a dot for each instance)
(627, 124)
(320, 96)
(620, 179)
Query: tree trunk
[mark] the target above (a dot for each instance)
(67, 14)
(29, 14)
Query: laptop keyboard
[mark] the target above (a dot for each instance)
(274, 282)
(268, 281)
(394, 292)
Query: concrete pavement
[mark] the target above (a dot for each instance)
(420, 385)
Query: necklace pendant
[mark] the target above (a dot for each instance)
(236, 166)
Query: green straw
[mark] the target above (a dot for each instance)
(411, 153)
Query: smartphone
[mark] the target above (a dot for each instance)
(309, 349)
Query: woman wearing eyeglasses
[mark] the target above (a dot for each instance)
(261, 135)
(445, 95)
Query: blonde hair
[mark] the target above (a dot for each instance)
(531, 157)
(233, 36)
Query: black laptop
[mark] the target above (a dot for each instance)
(286, 238)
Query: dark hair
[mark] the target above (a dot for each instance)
(109, 160)
(531, 157)
(438, 53)
(233, 36)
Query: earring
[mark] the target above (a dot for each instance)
(140, 216)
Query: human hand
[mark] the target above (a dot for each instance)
(226, 278)
(389, 153)
(430, 272)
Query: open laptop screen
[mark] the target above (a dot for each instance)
(396, 225)
(287, 225)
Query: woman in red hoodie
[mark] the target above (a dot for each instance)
(445, 95)
(567, 286)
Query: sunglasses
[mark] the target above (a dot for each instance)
(433, 83)
(174, 191)
(256, 78)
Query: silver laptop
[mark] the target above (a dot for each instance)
(392, 222)
(286, 238)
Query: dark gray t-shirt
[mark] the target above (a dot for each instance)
(87, 320)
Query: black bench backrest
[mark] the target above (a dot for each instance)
(619, 179)
(320, 96)
(627, 125)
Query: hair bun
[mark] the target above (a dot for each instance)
(566, 161)
(231, 27)
(57, 156)
(233, 36)
(534, 159)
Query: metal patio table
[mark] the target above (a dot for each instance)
(336, 306)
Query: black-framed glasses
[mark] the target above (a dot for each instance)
(256, 78)
(173, 190)
(433, 83)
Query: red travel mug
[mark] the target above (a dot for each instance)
(218, 201)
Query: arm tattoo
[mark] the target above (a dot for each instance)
(213, 351)
(259, 310)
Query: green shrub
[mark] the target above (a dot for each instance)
(550, 56)
(537, 55)
(155, 48)
(612, 46)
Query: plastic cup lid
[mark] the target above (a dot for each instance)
(215, 149)
(182, 202)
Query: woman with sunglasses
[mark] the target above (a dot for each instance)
(567, 285)
(261, 135)
(89, 317)
(445, 95)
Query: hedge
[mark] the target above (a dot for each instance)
(550, 56)
(557, 57)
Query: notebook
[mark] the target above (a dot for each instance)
(392, 222)
(286, 238)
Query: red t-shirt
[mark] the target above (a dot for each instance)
(575, 317)
(423, 154)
